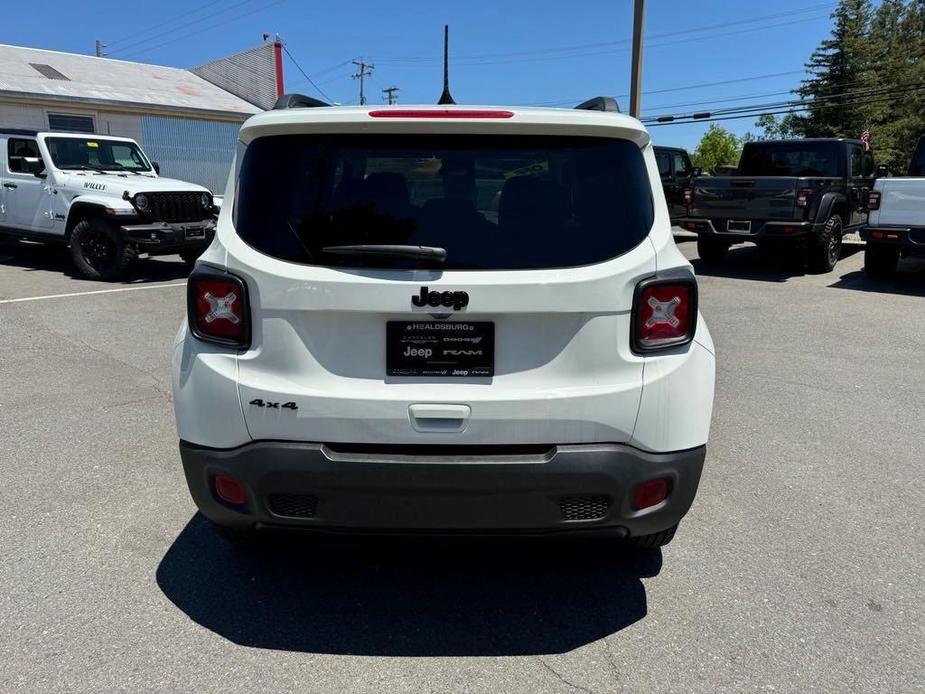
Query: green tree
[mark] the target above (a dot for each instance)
(718, 146)
(840, 65)
(772, 128)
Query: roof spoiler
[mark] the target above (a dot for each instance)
(600, 103)
(297, 101)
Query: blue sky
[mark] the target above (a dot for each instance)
(540, 52)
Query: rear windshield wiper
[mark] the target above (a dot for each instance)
(430, 253)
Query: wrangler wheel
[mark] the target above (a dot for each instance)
(98, 251)
(880, 260)
(825, 250)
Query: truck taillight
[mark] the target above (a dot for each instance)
(664, 312)
(688, 197)
(873, 200)
(218, 309)
(803, 197)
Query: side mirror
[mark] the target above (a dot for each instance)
(882, 171)
(697, 171)
(156, 167)
(35, 166)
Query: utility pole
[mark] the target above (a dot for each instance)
(366, 70)
(99, 49)
(390, 94)
(636, 71)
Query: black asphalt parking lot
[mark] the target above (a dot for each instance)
(799, 568)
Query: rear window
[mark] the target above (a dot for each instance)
(492, 202)
(791, 159)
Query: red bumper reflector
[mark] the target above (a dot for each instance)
(230, 489)
(789, 230)
(650, 493)
(439, 113)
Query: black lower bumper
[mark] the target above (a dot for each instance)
(758, 228)
(160, 238)
(565, 488)
(907, 239)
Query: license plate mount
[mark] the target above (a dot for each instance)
(739, 226)
(453, 349)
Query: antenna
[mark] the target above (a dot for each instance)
(446, 98)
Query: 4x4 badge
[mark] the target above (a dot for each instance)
(457, 300)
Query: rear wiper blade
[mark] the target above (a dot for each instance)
(431, 253)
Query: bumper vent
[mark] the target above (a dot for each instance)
(293, 505)
(176, 207)
(584, 507)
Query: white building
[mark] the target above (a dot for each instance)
(186, 120)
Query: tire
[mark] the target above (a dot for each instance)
(98, 250)
(880, 260)
(190, 257)
(712, 250)
(825, 249)
(654, 540)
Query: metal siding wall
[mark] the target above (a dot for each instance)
(22, 116)
(192, 150)
(250, 75)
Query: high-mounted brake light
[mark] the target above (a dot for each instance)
(440, 113)
(218, 308)
(803, 196)
(873, 200)
(664, 312)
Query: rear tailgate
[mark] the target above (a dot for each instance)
(902, 202)
(738, 197)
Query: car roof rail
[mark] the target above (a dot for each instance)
(600, 103)
(297, 101)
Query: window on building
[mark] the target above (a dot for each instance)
(61, 122)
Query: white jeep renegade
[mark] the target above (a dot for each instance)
(444, 319)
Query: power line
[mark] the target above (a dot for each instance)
(680, 89)
(211, 27)
(162, 23)
(166, 32)
(565, 49)
(793, 103)
(804, 108)
(305, 74)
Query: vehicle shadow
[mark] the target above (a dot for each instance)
(748, 262)
(55, 258)
(909, 280)
(407, 597)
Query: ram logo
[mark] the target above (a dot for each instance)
(463, 352)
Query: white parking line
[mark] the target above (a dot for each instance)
(98, 291)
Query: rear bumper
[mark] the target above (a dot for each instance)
(573, 488)
(159, 238)
(909, 238)
(760, 228)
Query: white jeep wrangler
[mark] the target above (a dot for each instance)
(444, 319)
(100, 195)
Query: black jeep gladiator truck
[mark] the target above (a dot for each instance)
(800, 196)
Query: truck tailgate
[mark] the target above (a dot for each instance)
(737, 197)
(902, 202)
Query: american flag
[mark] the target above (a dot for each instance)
(865, 138)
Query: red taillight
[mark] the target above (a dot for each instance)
(664, 313)
(688, 197)
(218, 308)
(230, 490)
(873, 200)
(439, 113)
(650, 493)
(803, 197)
